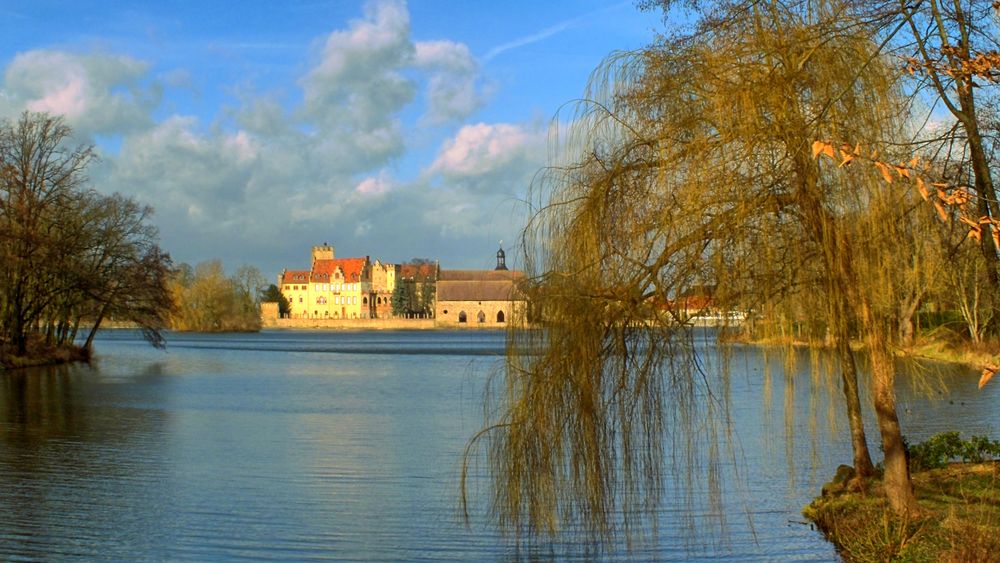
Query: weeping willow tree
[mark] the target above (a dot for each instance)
(689, 164)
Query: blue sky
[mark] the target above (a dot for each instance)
(256, 129)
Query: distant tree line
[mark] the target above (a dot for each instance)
(69, 256)
(209, 301)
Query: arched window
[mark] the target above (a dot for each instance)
(461, 316)
(481, 317)
(500, 318)
(364, 301)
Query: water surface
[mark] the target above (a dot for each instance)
(347, 446)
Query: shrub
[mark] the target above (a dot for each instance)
(940, 449)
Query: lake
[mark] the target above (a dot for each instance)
(347, 446)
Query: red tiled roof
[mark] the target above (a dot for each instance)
(421, 272)
(352, 268)
(295, 276)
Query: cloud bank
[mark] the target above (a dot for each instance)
(264, 180)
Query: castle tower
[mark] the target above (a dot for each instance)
(323, 252)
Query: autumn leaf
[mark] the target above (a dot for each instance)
(914, 162)
(884, 169)
(987, 375)
(902, 171)
(942, 195)
(940, 210)
(922, 187)
(822, 147)
(960, 197)
(846, 156)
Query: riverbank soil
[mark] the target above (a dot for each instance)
(960, 519)
(40, 354)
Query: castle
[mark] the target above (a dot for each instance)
(357, 288)
(339, 288)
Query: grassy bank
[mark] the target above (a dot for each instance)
(960, 519)
(39, 354)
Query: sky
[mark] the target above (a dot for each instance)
(257, 129)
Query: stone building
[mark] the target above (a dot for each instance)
(333, 288)
(384, 278)
(478, 298)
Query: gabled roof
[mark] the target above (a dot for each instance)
(295, 276)
(353, 269)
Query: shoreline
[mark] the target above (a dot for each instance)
(44, 357)
(960, 509)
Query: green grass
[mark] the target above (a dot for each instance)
(960, 518)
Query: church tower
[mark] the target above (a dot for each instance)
(501, 258)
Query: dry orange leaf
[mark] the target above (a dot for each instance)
(886, 173)
(902, 171)
(846, 157)
(822, 147)
(961, 196)
(940, 210)
(987, 375)
(923, 189)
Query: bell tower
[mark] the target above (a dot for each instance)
(501, 258)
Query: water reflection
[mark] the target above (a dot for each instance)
(347, 446)
(70, 469)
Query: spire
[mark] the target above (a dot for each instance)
(501, 258)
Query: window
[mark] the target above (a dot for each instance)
(300, 300)
(481, 317)
(500, 317)
(461, 316)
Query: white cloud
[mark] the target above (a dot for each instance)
(357, 80)
(97, 93)
(482, 148)
(375, 185)
(269, 176)
(453, 89)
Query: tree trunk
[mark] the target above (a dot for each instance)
(863, 466)
(896, 480)
(89, 344)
